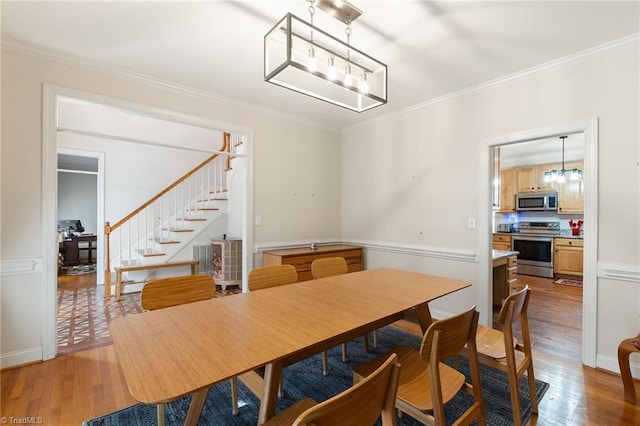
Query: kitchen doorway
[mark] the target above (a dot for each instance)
(529, 142)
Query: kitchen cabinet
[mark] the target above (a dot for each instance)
(505, 276)
(501, 242)
(531, 179)
(302, 258)
(568, 256)
(571, 193)
(508, 190)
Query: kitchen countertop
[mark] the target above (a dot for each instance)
(563, 234)
(497, 254)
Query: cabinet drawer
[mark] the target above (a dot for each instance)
(302, 263)
(569, 242)
(501, 238)
(512, 261)
(512, 274)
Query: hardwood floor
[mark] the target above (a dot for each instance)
(83, 385)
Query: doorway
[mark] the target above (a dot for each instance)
(52, 129)
(589, 299)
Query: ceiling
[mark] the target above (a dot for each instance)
(432, 48)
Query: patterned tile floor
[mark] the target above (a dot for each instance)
(84, 314)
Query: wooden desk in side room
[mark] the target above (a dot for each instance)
(505, 275)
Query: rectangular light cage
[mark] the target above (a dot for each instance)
(304, 58)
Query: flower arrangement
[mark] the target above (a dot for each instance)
(575, 226)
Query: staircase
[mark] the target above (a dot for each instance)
(157, 232)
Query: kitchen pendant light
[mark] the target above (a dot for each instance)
(560, 175)
(308, 60)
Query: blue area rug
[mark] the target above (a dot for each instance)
(305, 379)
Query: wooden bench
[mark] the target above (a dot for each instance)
(119, 270)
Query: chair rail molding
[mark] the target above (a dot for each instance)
(20, 266)
(619, 271)
(401, 248)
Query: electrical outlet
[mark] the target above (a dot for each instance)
(471, 223)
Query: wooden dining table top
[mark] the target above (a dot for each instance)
(169, 353)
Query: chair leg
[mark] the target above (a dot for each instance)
(624, 350)
(375, 338)
(532, 388)
(325, 364)
(160, 414)
(365, 341)
(234, 396)
(344, 352)
(515, 397)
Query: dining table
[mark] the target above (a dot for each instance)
(183, 350)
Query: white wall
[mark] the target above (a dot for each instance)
(411, 180)
(288, 156)
(77, 195)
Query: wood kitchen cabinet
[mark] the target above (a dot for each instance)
(571, 193)
(501, 242)
(302, 258)
(531, 179)
(568, 256)
(508, 190)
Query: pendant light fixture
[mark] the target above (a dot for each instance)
(561, 175)
(308, 60)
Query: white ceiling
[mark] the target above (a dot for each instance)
(432, 48)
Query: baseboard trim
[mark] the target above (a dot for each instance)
(611, 364)
(17, 358)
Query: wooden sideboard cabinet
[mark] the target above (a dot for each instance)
(302, 258)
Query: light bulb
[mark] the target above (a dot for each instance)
(331, 70)
(561, 176)
(547, 177)
(364, 86)
(311, 64)
(348, 78)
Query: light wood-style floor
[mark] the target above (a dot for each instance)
(84, 385)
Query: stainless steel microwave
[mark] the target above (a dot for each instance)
(537, 201)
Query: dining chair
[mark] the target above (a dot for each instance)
(166, 292)
(329, 267)
(501, 350)
(360, 405)
(625, 349)
(426, 383)
(259, 279)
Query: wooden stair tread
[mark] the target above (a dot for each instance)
(165, 241)
(150, 252)
(178, 229)
(194, 219)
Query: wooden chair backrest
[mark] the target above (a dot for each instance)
(165, 292)
(361, 404)
(272, 276)
(447, 337)
(328, 267)
(515, 307)
(442, 340)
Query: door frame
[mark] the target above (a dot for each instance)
(99, 204)
(50, 96)
(590, 277)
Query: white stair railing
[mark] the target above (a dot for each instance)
(138, 237)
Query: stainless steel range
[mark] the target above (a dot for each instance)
(534, 242)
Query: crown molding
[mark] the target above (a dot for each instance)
(600, 50)
(96, 66)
